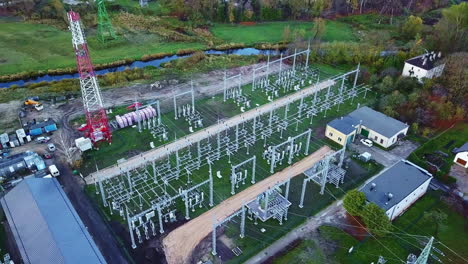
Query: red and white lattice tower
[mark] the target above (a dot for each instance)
(97, 125)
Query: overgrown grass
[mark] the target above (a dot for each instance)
(445, 142)
(404, 239)
(28, 47)
(272, 32)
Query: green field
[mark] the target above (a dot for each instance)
(34, 47)
(407, 228)
(28, 47)
(445, 142)
(272, 32)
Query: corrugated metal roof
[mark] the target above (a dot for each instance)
(400, 180)
(45, 225)
(378, 122)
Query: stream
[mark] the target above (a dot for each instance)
(139, 64)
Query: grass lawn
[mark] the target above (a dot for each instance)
(445, 142)
(305, 252)
(32, 47)
(272, 32)
(451, 233)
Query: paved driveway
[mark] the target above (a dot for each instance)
(384, 157)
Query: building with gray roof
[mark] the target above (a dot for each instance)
(45, 226)
(27, 161)
(378, 127)
(396, 188)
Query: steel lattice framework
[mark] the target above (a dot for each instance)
(97, 125)
(104, 29)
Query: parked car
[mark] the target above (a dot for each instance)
(43, 139)
(51, 147)
(47, 155)
(367, 142)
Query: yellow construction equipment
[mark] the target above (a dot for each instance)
(38, 106)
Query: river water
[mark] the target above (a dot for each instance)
(138, 64)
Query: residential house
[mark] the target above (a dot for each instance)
(424, 66)
(461, 155)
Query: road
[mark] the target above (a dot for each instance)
(180, 243)
(326, 216)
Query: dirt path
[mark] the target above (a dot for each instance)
(179, 244)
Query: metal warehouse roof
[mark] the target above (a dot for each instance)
(378, 122)
(45, 225)
(345, 125)
(400, 180)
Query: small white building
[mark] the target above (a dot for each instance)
(371, 124)
(461, 155)
(397, 188)
(424, 66)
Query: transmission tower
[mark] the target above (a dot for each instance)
(105, 30)
(97, 126)
(422, 259)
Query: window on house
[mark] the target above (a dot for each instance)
(330, 134)
(381, 141)
(339, 139)
(375, 138)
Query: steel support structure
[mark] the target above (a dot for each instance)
(97, 125)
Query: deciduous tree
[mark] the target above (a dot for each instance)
(376, 220)
(354, 202)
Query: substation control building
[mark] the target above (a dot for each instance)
(371, 124)
(397, 188)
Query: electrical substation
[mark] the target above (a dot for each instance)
(267, 132)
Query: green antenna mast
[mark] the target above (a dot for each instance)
(105, 30)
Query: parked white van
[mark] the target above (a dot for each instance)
(54, 171)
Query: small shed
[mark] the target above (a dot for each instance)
(39, 128)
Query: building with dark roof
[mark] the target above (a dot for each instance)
(28, 160)
(342, 130)
(42, 127)
(45, 226)
(396, 188)
(424, 66)
(461, 155)
(381, 129)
